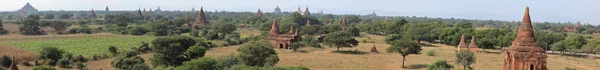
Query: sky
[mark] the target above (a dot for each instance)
(510, 10)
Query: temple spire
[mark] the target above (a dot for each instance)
(13, 65)
(201, 20)
(274, 28)
(526, 28)
(259, 14)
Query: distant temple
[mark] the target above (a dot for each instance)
(193, 10)
(300, 11)
(306, 12)
(277, 10)
(307, 23)
(571, 29)
(92, 14)
(343, 24)
(258, 13)
(373, 15)
(106, 9)
(282, 40)
(27, 9)
(525, 52)
(158, 9)
(139, 13)
(201, 20)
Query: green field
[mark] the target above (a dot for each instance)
(85, 46)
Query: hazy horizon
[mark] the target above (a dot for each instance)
(509, 10)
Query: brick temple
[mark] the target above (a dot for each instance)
(525, 53)
(282, 40)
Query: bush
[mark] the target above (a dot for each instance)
(64, 63)
(296, 45)
(440, 65)
(44, 68)
(258, 53)
(113, 49)
(204, 63)
(5, 61)
(431, 53)
(138, 30)
(195, 51)
(130, 63)
(195, 33)
(52, 53)
(81, 66)
(228, 60)
(85, 30)
(80, 58)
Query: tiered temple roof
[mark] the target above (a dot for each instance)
(473, 46)
(307, 23)
(525, 52)
(462, 45)
(258, 13)
(201, 20)
(92, 14)
(306, 12)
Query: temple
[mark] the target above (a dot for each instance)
(139, 12)
(106, 9)
(343, 24)
(201, 20)
(299, 11)
(92, 14)
(525, 53)
(307, 23)
(258, 13)
(13, 65)
(473, 46)
(462, 45)
(277, 10)
(571, 29)
(306, 12)
(282, 40)
(27, 9)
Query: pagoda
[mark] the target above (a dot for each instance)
(258, 13)
(462, 45)
(201, 20)
(306, 12)
(525, 52)
(473, 46)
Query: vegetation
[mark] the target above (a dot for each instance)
(465, 58)
(204, 63)
(5, 61)
(404, 47)
(43, 68)
(340, 39)
(258, 53)
(86, 46)
(31, 26)
(440, 65)
(170, 51)
(129, 61)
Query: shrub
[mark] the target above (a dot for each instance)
(5, 61)
(440, 65)
(258, 53)
(204, 63)
(64, 63)
(130, 63)
(52, 53)
(195, 51)
(228, 60)
(138, 30)
(296, 45)
(113, 49)
(80, 58)
(431, 53)
(44, 68)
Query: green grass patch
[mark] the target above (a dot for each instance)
(85, 46)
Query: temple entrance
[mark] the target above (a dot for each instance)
(531, 67)
(281, 46)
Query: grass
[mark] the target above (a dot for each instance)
(86, 46)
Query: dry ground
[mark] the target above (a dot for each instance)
(325, 59)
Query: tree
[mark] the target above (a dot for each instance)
(52, 53)
(59, 25)
(340, 39)
(310, 30)
(130, 63)
(394, 28)
(49, 16)
(404, 47)
(5, 61)
(65, 16)
(296, 45)
(546, 38)
(170, 51)
(196, 51)
(223, 28)
(391, 37)
(571, 43)
(440, 65)
(258, 53)
(204, 63)
(465, 58)
(31, 26)
(2, 31)
(113, 49)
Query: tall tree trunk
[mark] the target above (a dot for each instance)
(464, 67)
(338, 48)
(403, 59)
